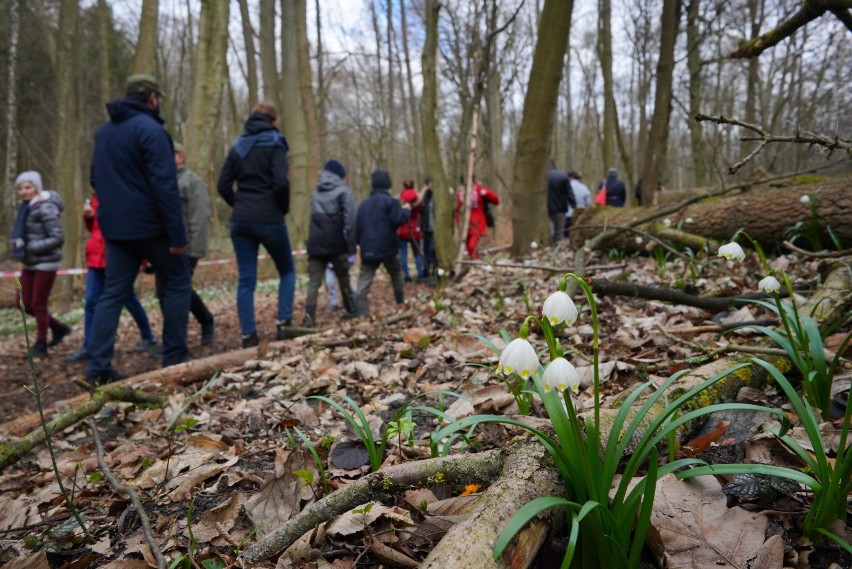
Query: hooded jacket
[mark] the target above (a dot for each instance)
(560, 196)
(616, 194)
(257, 164)
(195, 204)
(133, 172)
(378, 217)
(44, 234)
(332, 229)
(410, 230)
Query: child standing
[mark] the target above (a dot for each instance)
(409, 233)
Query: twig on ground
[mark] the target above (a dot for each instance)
(548, 268)
(134, 497)
(719, 327)
(607, 287)
(818, 255)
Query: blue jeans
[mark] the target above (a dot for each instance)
(94, 288)
(403, 258)
(123, 260)
(247, 237)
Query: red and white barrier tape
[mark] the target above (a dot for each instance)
(10, 274)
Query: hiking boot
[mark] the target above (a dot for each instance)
(107, 376)
(250, 340)
(146, 345)
(208, 333)
(282, 329)
(39, 350)
(59, 332)
(309, 321)
(77, 356)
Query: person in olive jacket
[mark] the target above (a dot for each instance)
(375, 231)
(37, 239)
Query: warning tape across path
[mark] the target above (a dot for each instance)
(10, 274)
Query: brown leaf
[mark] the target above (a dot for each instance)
(699, 444)
(457, 506)
(352, 522)
(36, 560)
(281, 496)
(414, 336)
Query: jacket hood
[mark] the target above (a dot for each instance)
(257, 122)
(380, 179)
(328, 181)
(259, 132)
(121, 110)
(49, 196)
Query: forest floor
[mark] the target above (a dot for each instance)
(229, 470)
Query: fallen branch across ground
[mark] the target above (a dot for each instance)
(715, 304)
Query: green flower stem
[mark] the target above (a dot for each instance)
(595, 344)
(550, 337)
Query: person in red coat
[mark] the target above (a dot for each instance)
(410, 233)
(95, 278)
(480, 196)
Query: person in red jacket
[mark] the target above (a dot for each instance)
(410, 233)
(95, 277)
(480, 197)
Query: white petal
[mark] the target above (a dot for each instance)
(769, 285)
(559, 308)
(732, 251)
(805, 199)
(518, 357)
(560, 374)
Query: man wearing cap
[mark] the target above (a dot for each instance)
(331, 237)
(195, 203)
(133, 173)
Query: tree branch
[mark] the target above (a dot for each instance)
(755, 46)
(714, 304)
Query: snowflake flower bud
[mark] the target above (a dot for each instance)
(639, 240)
(559, 308)
(560, 375)
(518, 357)
(805, 199)
(667, 222)
(688, 220)
(769, 285)
(533, 245)
(732, 251)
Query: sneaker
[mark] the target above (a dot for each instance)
(250, 340)
(208, 333)
(104, 377)
(77, 356)
(309, 321)
(282, 329)
(146, 345)
(407, 279)
(39, 350)
(59, 332)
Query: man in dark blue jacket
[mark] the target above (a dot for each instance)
(134, 176)
(559, 197)
(616, 194)
(375, 231)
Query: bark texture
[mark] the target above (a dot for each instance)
(145, 60)
(719, 218)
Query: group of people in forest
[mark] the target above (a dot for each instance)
(149, 212)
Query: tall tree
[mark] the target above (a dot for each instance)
(145, 60)
(605, 56)
(528, 186)
(416, 142)
(446, 247)
(268, 55)
(104, 19)
(10, 197)
(694, 64)
(654, 148)
(251, 53)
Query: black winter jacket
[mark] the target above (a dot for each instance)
(257, 163)
(616, 194)
(376, 223)
(332, 230)
(559, 192)
(134, 175)
(44, 235)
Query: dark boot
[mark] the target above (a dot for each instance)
(250, 340)
(59, 332)
(208, 332)
(310, 317)
(39, 350)
(282, 329)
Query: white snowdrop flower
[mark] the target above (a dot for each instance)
(805, 199)
(518, 357)
(639, 240)
(488, 268)
(559, 308)
(769, 285)
(667, 222)
(732, 251)
(441, 272)
(560, 375)
(688, 220)
(533, 245)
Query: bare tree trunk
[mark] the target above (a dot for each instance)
(755, 15)
(416, 144)
(67, 159)
(322, 120)
(693, 59)
(145, 60)
(251, 53)
(384, 154)
(10, 196)
(605, 56)
(268, 57)
(654, 149)
(391, 134)
(104, 27)
(528, 185)
(442, 192)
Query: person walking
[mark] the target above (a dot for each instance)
(427, 227)
(480, 197)
(616, 194)
(375, 231)
(409, 233)
(582, 197)
(257, 165)
(195, 204)
(560, 198)
(95, 277)
(37, 239)
(331, 237)
(134, 176)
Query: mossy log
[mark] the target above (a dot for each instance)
(13, 451)
(720, 217)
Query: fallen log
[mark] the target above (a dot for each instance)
(606, 287)
(719, 218)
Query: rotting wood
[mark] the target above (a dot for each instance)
(481, 467)
(606, 287)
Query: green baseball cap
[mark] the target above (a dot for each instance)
(179, 148)
(142, 84)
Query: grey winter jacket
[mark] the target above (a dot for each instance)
(196, 211)
(332, 229)
(44, 234)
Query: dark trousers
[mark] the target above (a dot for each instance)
(557, 225)
(430, 256)
(316, 270)
(197, 307)
(94, 288)
(35, 294)
(123, 260)
(365, 281)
